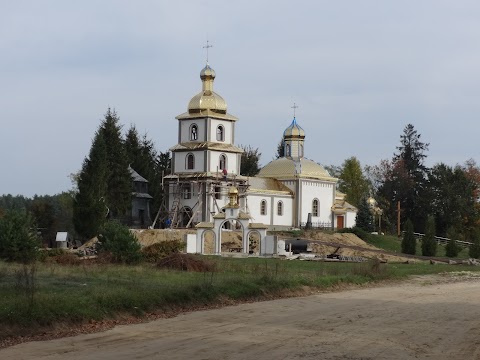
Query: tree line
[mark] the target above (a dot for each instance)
(448, 194)
(442, 197)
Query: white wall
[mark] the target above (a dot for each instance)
(233, 166)
(350, 219)
(180, 157)
(228, 129)
(324, 192)
(272, 217)
(184, 126)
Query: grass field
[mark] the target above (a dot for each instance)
(393, 243)
(77, 294)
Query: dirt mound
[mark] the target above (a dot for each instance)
(186, 262)
(149, 237)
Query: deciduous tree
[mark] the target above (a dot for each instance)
(249, 165)
(352, 182)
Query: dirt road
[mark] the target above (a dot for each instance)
(426, 318)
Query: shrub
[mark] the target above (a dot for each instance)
(119, 241)
(429, 245)
(18, 239)
(452, 249)
(474, 251)
(362, 234)
(186, 262)
(157, 251)
(409, 244)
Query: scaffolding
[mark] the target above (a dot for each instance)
(180, 214)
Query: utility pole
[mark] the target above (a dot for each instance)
(398, 218)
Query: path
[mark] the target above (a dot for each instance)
(421, 319)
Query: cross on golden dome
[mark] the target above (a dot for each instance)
(208, 46)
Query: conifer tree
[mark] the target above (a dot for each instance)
(364, 218)
(474, 250)
(429, 245)
(409, 244)
(452, 249)
(89, 208)
(119, 181)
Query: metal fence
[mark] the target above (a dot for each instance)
(317, 225)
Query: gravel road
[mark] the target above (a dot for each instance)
(429, 317)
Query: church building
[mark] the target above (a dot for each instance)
(289, 192)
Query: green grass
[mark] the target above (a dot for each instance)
(77, 294)
(393, 243)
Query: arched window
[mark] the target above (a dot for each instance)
(301, 151)
(263, 207)
(280, 208)
(222, 162)
(220, 133)
(194, 132)
(315, 207)
(288, 151)
(190, 162)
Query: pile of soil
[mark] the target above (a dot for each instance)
(147, 237)
(186, 262)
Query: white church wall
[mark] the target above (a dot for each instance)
(271, 217)
(227, 127)
(185, 125)
(350, 219)
(254, 203)
(286, 218)
(322, 191)
(180, 161)
(233, 167)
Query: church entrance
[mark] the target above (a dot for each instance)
(340, 222)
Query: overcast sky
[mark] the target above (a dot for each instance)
(360, 70)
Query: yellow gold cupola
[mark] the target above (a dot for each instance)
(207, 99)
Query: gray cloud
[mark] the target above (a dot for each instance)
(359, 70)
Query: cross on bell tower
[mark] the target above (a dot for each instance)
(208, 46)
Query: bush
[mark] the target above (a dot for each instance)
(429, 244)
(474, 251)
(119, 241)
(158, 251)
(409, 244)
(362, 234)
(186, 262)
(18, 239)
(452, 249)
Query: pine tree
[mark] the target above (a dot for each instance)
(119, 181)
(452, 249)
(89, 208)
(364, 218)
(429, 245)
(405, 180)
(409, 244)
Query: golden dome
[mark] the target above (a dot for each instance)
(207, 99)
(284, 168)
(294, 130)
